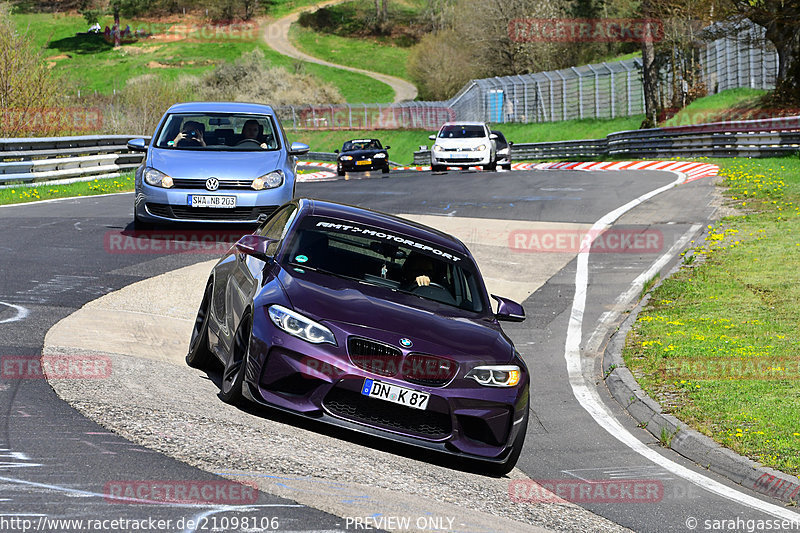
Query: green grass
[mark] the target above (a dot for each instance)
(403, 142)
(718, 343)
(23, 194)
(368, 54)
(93, 65)
(568, 130)
(716, 106)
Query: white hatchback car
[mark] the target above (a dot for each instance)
(464, 144)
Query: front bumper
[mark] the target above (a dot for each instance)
(352, 166)
(321, 382)
(159, 205)
(455, 159)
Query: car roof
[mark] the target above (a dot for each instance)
(221, 107)
(362, 140)
(389, 222)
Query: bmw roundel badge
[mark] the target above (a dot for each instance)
(406, 343)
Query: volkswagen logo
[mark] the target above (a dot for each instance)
(212, 184)
(406, 343)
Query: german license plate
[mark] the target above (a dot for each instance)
(202, 200)
(364, 162)
(395, 394)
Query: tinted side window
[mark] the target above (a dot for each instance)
(276, 227)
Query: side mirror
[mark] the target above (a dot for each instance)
(137, 145)
(255, 246)
(493, 136)
(511, 143)
(336, 151)
(298, 149)
(432, 137)
(508, 310)
(386, 147)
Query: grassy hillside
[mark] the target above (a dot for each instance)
(91, 64)
(733, 104)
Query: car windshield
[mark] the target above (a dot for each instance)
(361, 145)
(218, 132)
(462, 132)
(385, 259)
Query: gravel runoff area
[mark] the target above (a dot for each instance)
(153, 399)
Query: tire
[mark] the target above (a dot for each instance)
(385, 170)
(516, 449)
(438, 168)
(340, 172)
(200, 355)
(233, 373)
(139, 225)
(506, 166)
(491, 166)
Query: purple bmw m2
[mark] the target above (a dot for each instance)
(371, 322)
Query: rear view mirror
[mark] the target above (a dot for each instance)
(386, 147)
(493, 136)
(298, 148)
(508, 310)
(255, 246)
(432, 137)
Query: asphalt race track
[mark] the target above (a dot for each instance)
(58, 464)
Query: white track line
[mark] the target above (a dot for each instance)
(589, 398)
(21, 313)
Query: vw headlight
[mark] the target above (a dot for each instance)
(300, 326)
(346, 158)
(268, 181)
(437, 148)
(379, 156)
(157, 178)
(496, 375)
(480, 148)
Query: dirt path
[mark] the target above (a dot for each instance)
(276, 36)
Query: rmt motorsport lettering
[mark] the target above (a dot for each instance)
(389, 237)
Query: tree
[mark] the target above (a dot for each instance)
(781, 18)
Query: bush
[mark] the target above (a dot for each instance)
(30, 95)
(250, 80)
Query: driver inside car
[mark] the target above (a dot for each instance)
(250, 132)
(418, 270)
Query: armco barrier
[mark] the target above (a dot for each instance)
(65, 159)
(747, 138)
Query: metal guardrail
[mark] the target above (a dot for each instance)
(747, 138)
(65, 159)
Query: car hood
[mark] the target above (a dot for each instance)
(461, 143)
(222, 165)
(385, 315)
(359, 153)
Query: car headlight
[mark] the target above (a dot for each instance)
(268, 181)
(346, 158)
(480, 148)
(300, 326)
(437, 148)
(379, 156)
(157, 178)
(496, 375)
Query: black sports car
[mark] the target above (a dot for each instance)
(362, 154)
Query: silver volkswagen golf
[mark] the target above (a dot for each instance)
(214, 162)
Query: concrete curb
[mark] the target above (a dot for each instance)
(686, 441)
